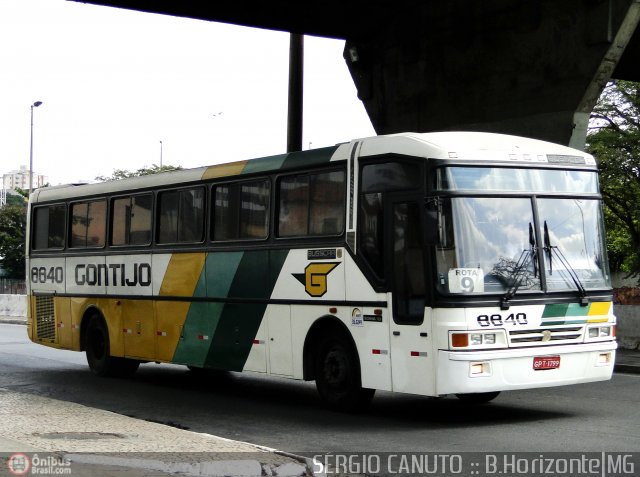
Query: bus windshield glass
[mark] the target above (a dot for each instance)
(508, 245)
(502, 179)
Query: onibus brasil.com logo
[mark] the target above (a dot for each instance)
(22, 464)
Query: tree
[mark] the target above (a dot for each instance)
(614, 140)
(16, 199)
(13, 222)
(143, 171)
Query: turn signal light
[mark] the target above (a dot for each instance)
(460, 340)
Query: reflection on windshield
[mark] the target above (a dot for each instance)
(573, 226)
(513, 179)
(488, 245)
(487, 248)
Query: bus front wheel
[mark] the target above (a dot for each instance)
(98, 353)
(478, 398)
(337, 374)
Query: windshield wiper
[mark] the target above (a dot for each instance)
(550, 250)
(526, 257)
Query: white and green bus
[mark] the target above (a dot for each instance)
(435, 264)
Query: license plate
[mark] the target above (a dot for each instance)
(546, 362)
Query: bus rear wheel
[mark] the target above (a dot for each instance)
(478, 398)
(337, 374)
(97, 348)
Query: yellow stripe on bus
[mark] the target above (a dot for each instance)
(599, 308)
(182, 275)
(224, 170)
(180, 279)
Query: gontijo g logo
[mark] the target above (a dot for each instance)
(314, 277)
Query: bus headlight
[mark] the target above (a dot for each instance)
(476, 339)
(601, 332)
(489, 338)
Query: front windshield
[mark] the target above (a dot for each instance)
(486, 245)
(507, 245)
(573, 231)
(490, 245)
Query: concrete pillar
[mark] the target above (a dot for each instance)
(532, 68)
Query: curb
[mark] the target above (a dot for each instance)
(200, 468)
(13, 321)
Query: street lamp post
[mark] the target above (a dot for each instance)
(34, 105)
(160, 154)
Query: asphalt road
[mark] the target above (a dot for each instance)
(287, 415)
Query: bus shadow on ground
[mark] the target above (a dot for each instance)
(252, 395)
(218, 401)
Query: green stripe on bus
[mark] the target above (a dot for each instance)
(309, 158)
(291, 160)
(239, 322)
(554, 310)
(264, 164)
(576, 310)
(567, 309)
(203, 318)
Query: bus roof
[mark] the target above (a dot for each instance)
(454, 145)
(472, 146)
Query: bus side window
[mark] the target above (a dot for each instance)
(131, 220)
(191, 218)
(376, 180)
(294, 206)
(168, 217)
(312, 204)
(371, 231)
(181, 216)
(241, 211)
(254, 209)
(88, 224)
(327, 205)
(49, 227)
(408, 264)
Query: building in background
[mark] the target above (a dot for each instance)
(20, 179)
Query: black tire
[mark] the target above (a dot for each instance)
(97, 347)
(478, 398)
(337, 372)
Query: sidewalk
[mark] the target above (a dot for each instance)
(14, 320)
(95, 442)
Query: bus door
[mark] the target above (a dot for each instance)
(412, 359)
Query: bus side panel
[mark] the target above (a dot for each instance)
(170, 318)
(202, 318)
(220, 333)
(314, 280)
(370, 330)
(257, 359)
(138, 328)
(253, 279)
(179, 275)
(68, 336)
(279, 340)
(46, 277)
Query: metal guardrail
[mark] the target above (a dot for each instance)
(12, 286)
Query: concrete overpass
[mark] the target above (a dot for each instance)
(527, 67)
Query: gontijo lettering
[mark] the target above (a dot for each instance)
(114, 274)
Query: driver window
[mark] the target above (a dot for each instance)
(408, 265)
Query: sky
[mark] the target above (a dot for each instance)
(115, 83)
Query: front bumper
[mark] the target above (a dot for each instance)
(511, 369)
